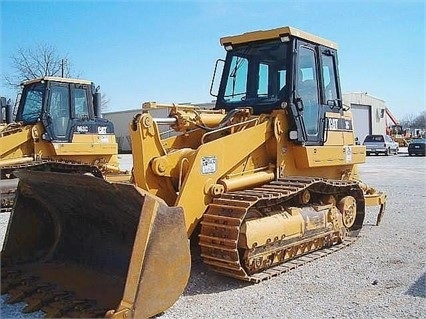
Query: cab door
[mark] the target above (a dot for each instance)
(307, 93)
(58, 112)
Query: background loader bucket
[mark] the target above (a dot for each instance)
(78, 246)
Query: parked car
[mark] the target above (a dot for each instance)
(417, 147)
(380, 144)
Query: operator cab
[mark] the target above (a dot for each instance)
(283, 68)
(64, 106)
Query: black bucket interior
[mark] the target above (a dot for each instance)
(73, 232)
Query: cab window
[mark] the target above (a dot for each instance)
(59, 109)
(81, 110)
(236, 86)
(329, 78)
(262, 89)
(308, 89)
(33, 102)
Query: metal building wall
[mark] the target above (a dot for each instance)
(121, 120)
(362, 121)
(366, 108)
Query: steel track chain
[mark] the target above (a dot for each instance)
(221, 224)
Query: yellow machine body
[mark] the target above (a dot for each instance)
(25, 145)
(268, 176)
(164, 167)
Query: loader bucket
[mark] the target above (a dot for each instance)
(78, 246)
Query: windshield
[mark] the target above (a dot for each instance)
(374, 138)
(419, 140)
(32, 102)
(255, 74)
(396, 129)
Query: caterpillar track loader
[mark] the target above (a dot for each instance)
(264, 182)
(57, 127)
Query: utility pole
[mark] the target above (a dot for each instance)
(63, 63)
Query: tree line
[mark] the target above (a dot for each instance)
(39, 61)
(415, 121)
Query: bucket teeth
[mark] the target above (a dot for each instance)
(9, 279)
(66, 307)
(85, 310)
(39, 298)
(20, 293)
(16, 283)
(55, 307)
(45, 297)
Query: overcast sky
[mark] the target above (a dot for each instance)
(165, 51)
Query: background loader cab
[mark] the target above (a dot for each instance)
(58, 127)
(58, 120)
(64, 107)
(283, 70)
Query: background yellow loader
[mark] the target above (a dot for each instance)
(57, 127)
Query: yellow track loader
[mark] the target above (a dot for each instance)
(265, 181)
(58, 127)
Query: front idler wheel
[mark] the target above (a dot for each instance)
(347, 207)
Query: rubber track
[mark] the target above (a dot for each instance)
(221, 224)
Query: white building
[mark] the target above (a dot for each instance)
(368, 113)
(122, 120)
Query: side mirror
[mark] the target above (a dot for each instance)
(336, 103)
(299, 104)
(332, 103)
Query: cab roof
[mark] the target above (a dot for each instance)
(276, 34)
(57, 79)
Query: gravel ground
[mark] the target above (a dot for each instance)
(382, 275)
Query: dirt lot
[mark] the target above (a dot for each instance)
(382, 275)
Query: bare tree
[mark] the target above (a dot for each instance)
(105, 102)
(415, 121)
(420, 121)
(42, 60)
(408, 120)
